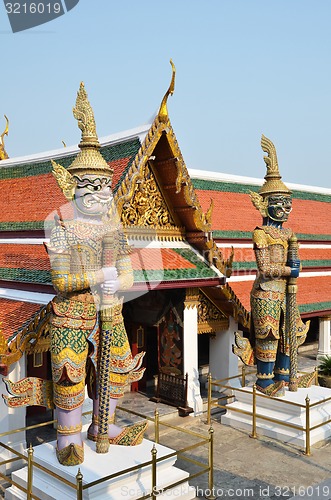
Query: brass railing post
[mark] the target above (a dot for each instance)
(79, 485)
(316, 376)
(209, 399)
(253, 435)
(211, 490)
(154, 490)
(156, 426)
(30, 473)
(243, 376)
(307, 451)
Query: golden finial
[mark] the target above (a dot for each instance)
(84, 115)
(3, 154)
(64, 144)
(273, 183)
(163, 111)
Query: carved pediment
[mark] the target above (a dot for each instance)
(210, 318)
(147, 206)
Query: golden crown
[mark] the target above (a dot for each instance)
(89, 160)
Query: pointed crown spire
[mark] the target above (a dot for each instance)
(89, 160)
(273, 183)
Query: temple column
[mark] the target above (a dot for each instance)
(324, 337)
(190, 349)
(222, 362)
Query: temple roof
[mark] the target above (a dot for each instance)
(177, 261)
(15, 315)
(24, 181)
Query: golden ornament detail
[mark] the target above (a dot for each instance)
(65, 180)
(3, 153)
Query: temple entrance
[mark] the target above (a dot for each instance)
(155, 324)
(147, 383)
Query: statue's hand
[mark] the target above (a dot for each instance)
(295, 271)
(295, 265)
(110, 273)
(111, 286)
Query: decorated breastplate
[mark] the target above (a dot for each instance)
(86, 245)
(278, 253)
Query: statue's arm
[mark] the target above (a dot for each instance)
(63, 280)
(266, 267)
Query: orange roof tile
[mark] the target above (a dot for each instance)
(313, 293)
(310, 257)
(158, 258)
(14, 315)
(30, 192)
(235, 212)
(19, 256)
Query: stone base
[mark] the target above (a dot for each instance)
(279, 410)
(97, 466)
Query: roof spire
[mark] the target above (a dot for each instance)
(3, 154)
(163, 111)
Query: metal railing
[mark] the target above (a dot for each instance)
(214, 403)
(154, 491)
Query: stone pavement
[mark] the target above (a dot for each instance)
(244, 467)
(260, 468)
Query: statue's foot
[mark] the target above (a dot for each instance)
(129, 436)
(275, 390)
(306, 380)
(73, 454)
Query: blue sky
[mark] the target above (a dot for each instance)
(244, 67)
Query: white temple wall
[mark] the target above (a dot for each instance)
(222, 362)
(190, 348)
(324, 347)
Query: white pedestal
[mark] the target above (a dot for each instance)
(97, 466)
(279, 410)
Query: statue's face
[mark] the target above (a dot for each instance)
(93, 195)
(279, 207)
